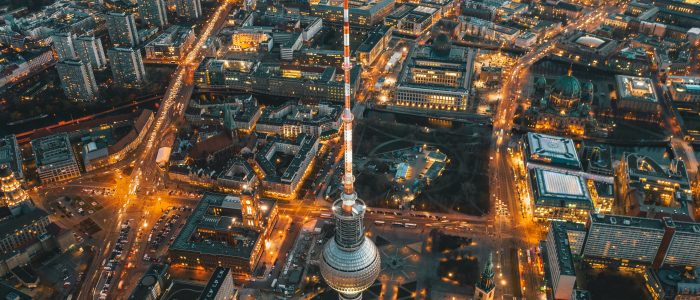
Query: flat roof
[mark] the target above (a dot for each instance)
(552, 150)
(634, 88)
(562, 248)
(214, 284)
(10, 154)
(559, 189)
(644, 223)
(201, 218)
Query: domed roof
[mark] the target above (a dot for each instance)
(350, 272)
(590, 41)
(567, 87)
(588, 86)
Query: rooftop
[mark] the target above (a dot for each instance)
(561, 245)
(644, 223)
(219, 213)
(52, 149)
(633, 88)
(214, 284)
(552, 150)
(559, 189)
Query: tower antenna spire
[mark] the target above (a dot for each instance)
(349, 195)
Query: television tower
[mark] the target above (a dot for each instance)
(350, 261)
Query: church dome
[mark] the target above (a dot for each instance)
(567, 87)
(587, 87)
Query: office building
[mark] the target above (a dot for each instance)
(127, 66)
(436, 77)
(63, 45)
(630, 241)
(685, 88)
(154, 12)
(553, 151)
(290, 120)
(652, 191)
(55, 160)
(283, 163)
(220, 286)
(560, 262)
(189, 9)
(89, 49)
(171, 45)
(323, 83)
(122, 29)
(557, 195)
(77, 80)
(361, 13)
(636, 95)
(11, 155)
(374, 45)
(225, 230)
(99, 153)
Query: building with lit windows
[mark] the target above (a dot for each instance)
(282, 164)
(153, 12)
(413, 20)
(252, 39)
(11, 155)
(304, 82)
(55, 160)
(291, 119)
(436, 77)
(636, 96)
(127, 66)
(170, 45)
(361, 13)
(560, 261)
(12, 194)
(238, 176)
(63, 45)
(122, 29)
(649, 190)
(225, 230)
(557, 195)
(98, 153)
(77, 80)
(373, 46)
(89, 49)
(631, 241)
(558, 10)
(685, 88)
(189, 9)
(319, 57)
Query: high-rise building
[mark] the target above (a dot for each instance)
(63, 45)
(122, 29)
(350, 262)
(77, 80)
(127, 66)
(189, 9)
(89, 49)
(153, 12)
(485, 289)
(560, 261)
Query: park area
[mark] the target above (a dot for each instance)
(383, 144)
